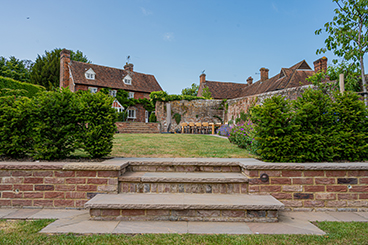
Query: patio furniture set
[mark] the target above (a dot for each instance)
(199, 127)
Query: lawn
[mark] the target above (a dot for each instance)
(25, 232)
(175, 145)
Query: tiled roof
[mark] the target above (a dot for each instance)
(224, 90)
(113, 78)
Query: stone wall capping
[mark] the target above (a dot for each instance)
(101, 166)
(32, 165)
(184, 161)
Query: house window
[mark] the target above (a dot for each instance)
(93, 90)
(131, 114)
(90, 74)
(131, 95)
(113, 93)
(127, 80)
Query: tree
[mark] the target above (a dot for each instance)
(207, 93)
(193, 91)
(348, 34)
(46, 69)
(14, 68)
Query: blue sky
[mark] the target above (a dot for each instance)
(172, 39)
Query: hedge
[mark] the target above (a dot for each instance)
(25, 89)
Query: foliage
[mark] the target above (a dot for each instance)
(9, 86)
(177, 118)
(152, 117)
(243, 117)
(122, 116)
(206, 93)
(14, 68)
(351, 75)
(46, 69)
(224, 130)
(219, 118)
(97, 126)
(243, 135)
(165, 97)
(348, 32)
(192, 91)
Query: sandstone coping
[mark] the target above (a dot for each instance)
(184, 201)
(101, 166)
(258, 165)
(188, 177)
(32, 165)
(184, 161)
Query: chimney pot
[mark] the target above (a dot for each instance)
(249, 80)
(202, 78)
(128, 67)
(264, 74)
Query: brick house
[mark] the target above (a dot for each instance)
(83, 76)
(294, 76)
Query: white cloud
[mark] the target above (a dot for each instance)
(169, 36)
(146, 11)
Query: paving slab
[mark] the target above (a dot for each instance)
(363, 214)
(140, 227)
(347, 216)
(21, 214)
(310, 216)
(5, 212)
(218, 228)
(286, 225)
(84, 227)
(57, 214)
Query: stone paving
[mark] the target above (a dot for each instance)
(77, 221)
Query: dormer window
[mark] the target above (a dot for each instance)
(90, 74)
(127, 80)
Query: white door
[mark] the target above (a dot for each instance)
(146, 116)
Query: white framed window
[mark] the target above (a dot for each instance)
(113, 93)
(93, 90)
(127, 80)
(131, 113)
(90, 74)
(131, 95)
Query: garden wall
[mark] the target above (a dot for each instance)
(190, 111)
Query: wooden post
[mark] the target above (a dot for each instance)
(342, 84)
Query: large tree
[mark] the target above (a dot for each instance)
(193, 90)
(348, 34)
(46, 69)
(14, 68)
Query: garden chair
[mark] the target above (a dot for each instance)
(205, 127)
(198, 127)
(191, 127)
(184, 128)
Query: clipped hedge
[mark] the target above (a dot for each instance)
(165, 97)
(30, 90)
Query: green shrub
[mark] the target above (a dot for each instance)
(8, 83)
(152, 117)
(165, 97)
(243, 135)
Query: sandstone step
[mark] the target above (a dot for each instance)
(181, 182)
(184, 207)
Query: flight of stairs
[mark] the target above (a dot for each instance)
(138, 128)
(186, 190)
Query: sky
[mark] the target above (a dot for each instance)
(175, 40)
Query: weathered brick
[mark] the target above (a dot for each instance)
(359, 203)
(324, 181)
(98, 181)
(75, 180)
(226, 169)
(6, 187)
(208, 213)
(85, 173)
(33, 195)
(314, 203)
(270, 188)
(258, 182)
(22, 173)
(314, 173)
(64, 173)
(336, 203)
(157, 212)
(63, 203)
(107, 188)
(358, 173)
(243, 188)
(256, 213)
(5, 173)
(271, 173)
(9, 194)
(325, 196)
(113, 181)
(359, 189)
(281, 195)
(132, 212)
(13, 180)
(44, 188)
(235, 169)
(347, 181)
(302, 181)
(272, 214)
(108, 173)
(363, 181)
(110, 212)
(54, 194)
(336, 188)
(292, 203)
(23, 187)
(335, 173)
(303, 196)
(44, 203)
(5, 202)
(292, 188)
(347, 196)
(54, 180)
(95, 212)
(86, 188)
(283, 181)
(251, 173)
(292, 173)
(32, 180)
(253, 188)
(43, 173)
(64, 187)
(233, 213)
(363, 196)
(21, 202)
(314, 188)
(80, 203)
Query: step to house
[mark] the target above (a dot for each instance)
(138, 127)
(184, 207)
(183, 182)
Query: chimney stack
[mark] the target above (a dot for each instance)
(320, 64)
(128, 67)
(264, 74)
(64, 69)
(249, 81)
(202, 78)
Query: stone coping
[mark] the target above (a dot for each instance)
(184, 201)
(116, 164)
(186, 177)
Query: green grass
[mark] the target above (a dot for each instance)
(175, 145)
(25, 232)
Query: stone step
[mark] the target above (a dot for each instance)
(184, 207)
(183, 182)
